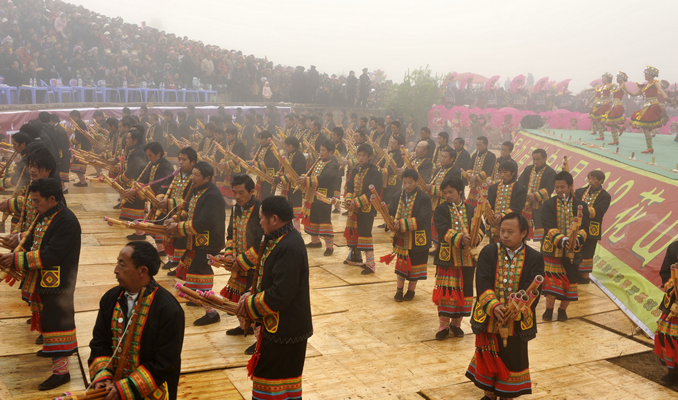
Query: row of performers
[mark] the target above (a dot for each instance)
(46, 247)
(608, 107)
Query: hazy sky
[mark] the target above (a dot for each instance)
(560, 39)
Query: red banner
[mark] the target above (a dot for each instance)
(643, 217)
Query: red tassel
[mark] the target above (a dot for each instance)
(10, 281)
(254, 360)
(387, 258)
(437, 295)
(36, 325)
(458, 298)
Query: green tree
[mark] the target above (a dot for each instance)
(418, 92)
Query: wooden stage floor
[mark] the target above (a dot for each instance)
(365, 346)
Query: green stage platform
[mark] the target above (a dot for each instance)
(665, 148)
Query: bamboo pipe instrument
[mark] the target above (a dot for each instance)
(477, 217)
(328, 200)
(15, 193)
(574, 231)
(93, 394)
(420, 181)
(184, 292)
(383, 211)
(310, 149)
(7, 164)
(255, 281)
(254, 170)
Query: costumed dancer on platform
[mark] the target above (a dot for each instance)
(562, 258)
(650, 116)
(538, 179)
(173, 199)
(132, 167)
(666, 336)
(152, 364)
(242, 243)
(316, 215)
(203, 225)
(279, 300)
(412, 241)
(505, 196)
(290, 190)
(502, 369)
(50, 265)
(504, 155)
(598, 200)
(601, 105)
(265, 160)
(361, 212)
(480, 169)
(80, 142)
(615, 118)
(157, 179)
(455, 266)
(444, 172)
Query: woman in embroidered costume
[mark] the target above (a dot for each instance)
(290, 189)
(562, 269)
(153, 363)
(601, 105)
(505, 196)
(615, 118)
(598, 200)
(666, 336)
(502, 269)
(242, 243)
(50, 265)
(361, 212)
(282, 305)
(650, 116)
(265, 160)
(170, 198)
(412, 218)
(202, 223)
(455, 266)
(537, 178)
(316, 215)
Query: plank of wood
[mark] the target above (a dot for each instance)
(207, 385)
(619, 323)
(594, 380)
(23, 373)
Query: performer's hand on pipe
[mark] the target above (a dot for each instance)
(113, 394)
(168, 222)
(240, 309)
(499, 312)
(103, 384)
(466, 240)
(530, 197)
(128, 193)
(4, 206)
(172, 229)
(13, 241)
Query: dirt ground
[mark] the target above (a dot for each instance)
(646, 365)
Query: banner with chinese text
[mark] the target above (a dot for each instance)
(638, 227)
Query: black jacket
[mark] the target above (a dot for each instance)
(162, 337)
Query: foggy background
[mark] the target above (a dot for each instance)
(572, 39)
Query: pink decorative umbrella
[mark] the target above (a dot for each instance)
(516, 83)
(597, 82)
(491, 82)
(476, 78)
(631, 86)
(539, 86)
(467, 79)
(562, 86)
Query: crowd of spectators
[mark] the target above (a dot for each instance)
(51, 39)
